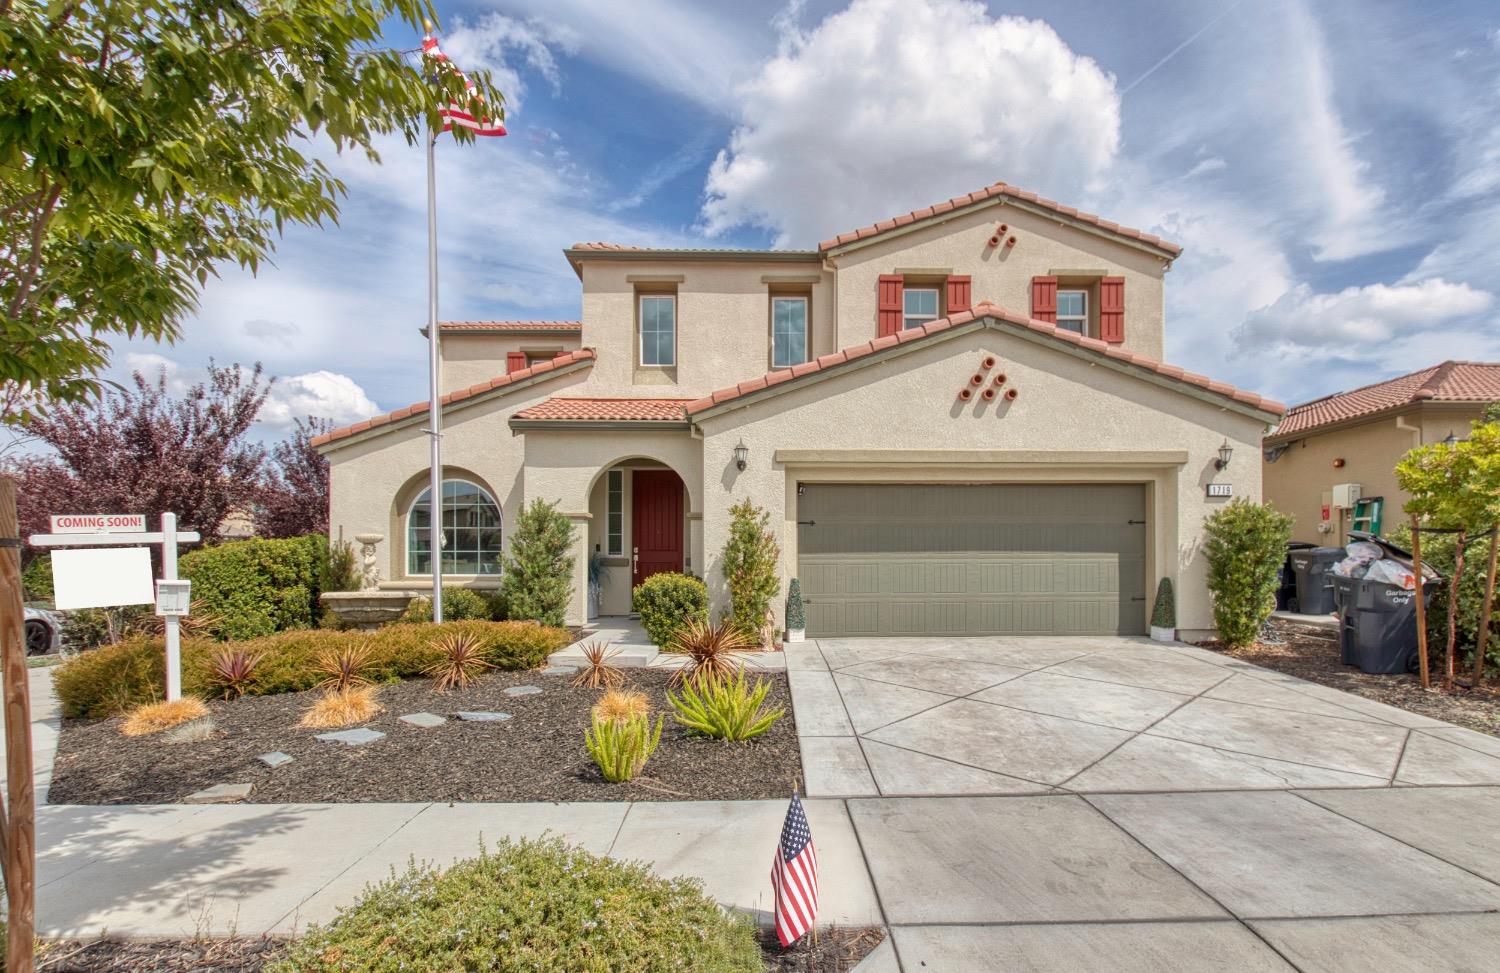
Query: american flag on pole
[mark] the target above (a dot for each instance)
(794, 877)
(456, 114)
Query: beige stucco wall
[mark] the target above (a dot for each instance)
(1066, 405)
(469, 359)
(1000, 274)
(1302, 479)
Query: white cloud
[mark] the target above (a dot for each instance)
(874, 111)
(493, 42)
(1358, 321)
(323, 394)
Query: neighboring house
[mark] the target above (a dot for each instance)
(1356, 438)
(957, 419)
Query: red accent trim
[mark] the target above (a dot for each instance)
(989, 362)
(890, 294)
(988, 394)
(1044, 299)
(976, 379)
(1011, 394)
(1112, 309)
(958, 294)
(965, 393)
(999, 380)
(514, 361)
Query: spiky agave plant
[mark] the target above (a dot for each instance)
(620, 748)
(597, 671)
(344, 669)
(727, 708)
(710, 650)
(231, 671)
(460, 661)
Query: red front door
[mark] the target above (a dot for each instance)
(656, 522)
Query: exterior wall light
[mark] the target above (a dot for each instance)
(741, 456)
(1225, 453)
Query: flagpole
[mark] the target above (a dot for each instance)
(434, 401)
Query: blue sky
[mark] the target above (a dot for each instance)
(1332, 168)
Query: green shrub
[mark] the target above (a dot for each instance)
(667, 601)
(1245, 544)
(459, 605)
(107, 680)
(728, 708)
(1164, 612)
(539, 567)
(1437, 550)
(530, 905)
(749, 562)
(620, 748)
(36, 580)
(499, 605)
(341, 572)
(259, 587)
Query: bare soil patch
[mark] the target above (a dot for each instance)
(536, 755)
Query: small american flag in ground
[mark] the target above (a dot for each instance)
(455, 114)
(794, 877)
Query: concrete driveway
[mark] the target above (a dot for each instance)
(1093, 804)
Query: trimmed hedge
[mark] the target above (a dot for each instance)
(111, 679)
(259, 587)
(459, 605)
(530, 905)
(666, 601)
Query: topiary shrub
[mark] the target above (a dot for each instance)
(796, 613)
(459, 605)
(1245, 544)
(110, 679)
(667, 601)
(259, 587)
(1164, 612)
(749, 563)
(539, 567)
(530, 905)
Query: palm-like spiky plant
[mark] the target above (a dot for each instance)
(728, 708)
(344, 670)
(710, 650)
(230, 671)
(460, 661)
(597, 672)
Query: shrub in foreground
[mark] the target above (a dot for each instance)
(1245, 544)
(259, 587)
(530, 905)
(113, 678)
(727, 708)
(621, 747)
(667, 601)
(749, 562)
(539, 566)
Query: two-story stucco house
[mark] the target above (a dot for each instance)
(958, 419)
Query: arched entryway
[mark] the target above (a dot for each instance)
(639, 525)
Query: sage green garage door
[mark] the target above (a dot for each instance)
(972, 559)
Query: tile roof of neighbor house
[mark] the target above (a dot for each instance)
(608, 410)
(1450, 381)
(991, 192)
(583, 355)
(994, 312)
(560, 326)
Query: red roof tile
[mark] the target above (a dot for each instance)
(995, 312)
(608, 410)
(499, 381)
(990, 192)
(561, 326)
(1451, 381)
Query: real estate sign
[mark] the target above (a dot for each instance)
(102, 577)
(98, 523)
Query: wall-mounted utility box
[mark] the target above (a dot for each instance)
(1345, 495)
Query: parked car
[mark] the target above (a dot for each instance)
(43, 631)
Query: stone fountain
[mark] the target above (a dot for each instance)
(369, 607)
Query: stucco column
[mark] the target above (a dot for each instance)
(578, 604)
(695, 563)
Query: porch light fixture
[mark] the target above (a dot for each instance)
(1225, 453)
(741, 456)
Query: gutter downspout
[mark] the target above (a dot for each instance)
(1405, 426)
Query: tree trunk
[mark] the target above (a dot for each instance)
(20, 843)
(1482, 637)
(1416, 563)
(1449, 666)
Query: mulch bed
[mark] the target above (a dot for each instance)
(1313, 654)
(537, 755)
(836, 951)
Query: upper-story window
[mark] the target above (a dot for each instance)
(1073, 311)
(921, 306)
(658, 329)
(788, 331)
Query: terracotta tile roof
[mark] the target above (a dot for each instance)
(608, 410)
(726, 251)
(990, 192)
(1450, 381)
(417, 408)
(562, 326)
(995, 312)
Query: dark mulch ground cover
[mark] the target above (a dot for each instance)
(836, 951)
(1313, 654)
(537, 755)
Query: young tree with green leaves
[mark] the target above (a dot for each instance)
(145, 143)
(539, 568)
(1245, 544)
(749, 564)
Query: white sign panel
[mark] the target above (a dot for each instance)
(102, 577)
(98, 523)
(1221, 489)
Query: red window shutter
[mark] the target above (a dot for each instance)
(959, 295)
(1112, 309)
(890, 302)
(514, 361)
(1044, 298)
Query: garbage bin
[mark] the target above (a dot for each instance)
(1378, 624)
(1286, 590)
(1314, 592)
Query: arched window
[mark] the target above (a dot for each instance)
(471, 531)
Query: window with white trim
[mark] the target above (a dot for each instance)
(1073, 311)
(788, 331)
(920, 306)
(614, 526)
(470, 531)
(658, 329)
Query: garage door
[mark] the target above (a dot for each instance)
(980, 559)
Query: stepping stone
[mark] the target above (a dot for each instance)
(424, 720)
(560, 671)
(352, 737)
(482, 716)
(219, 794)
(275, 759)
(522, 691)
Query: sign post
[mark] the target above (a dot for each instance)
(18, 814)
(171, 622)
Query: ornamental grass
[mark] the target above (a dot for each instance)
(151, 718)
(342, 708)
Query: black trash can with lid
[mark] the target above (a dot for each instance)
(1310, 568)
(1286, 589)
(1378, 620)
